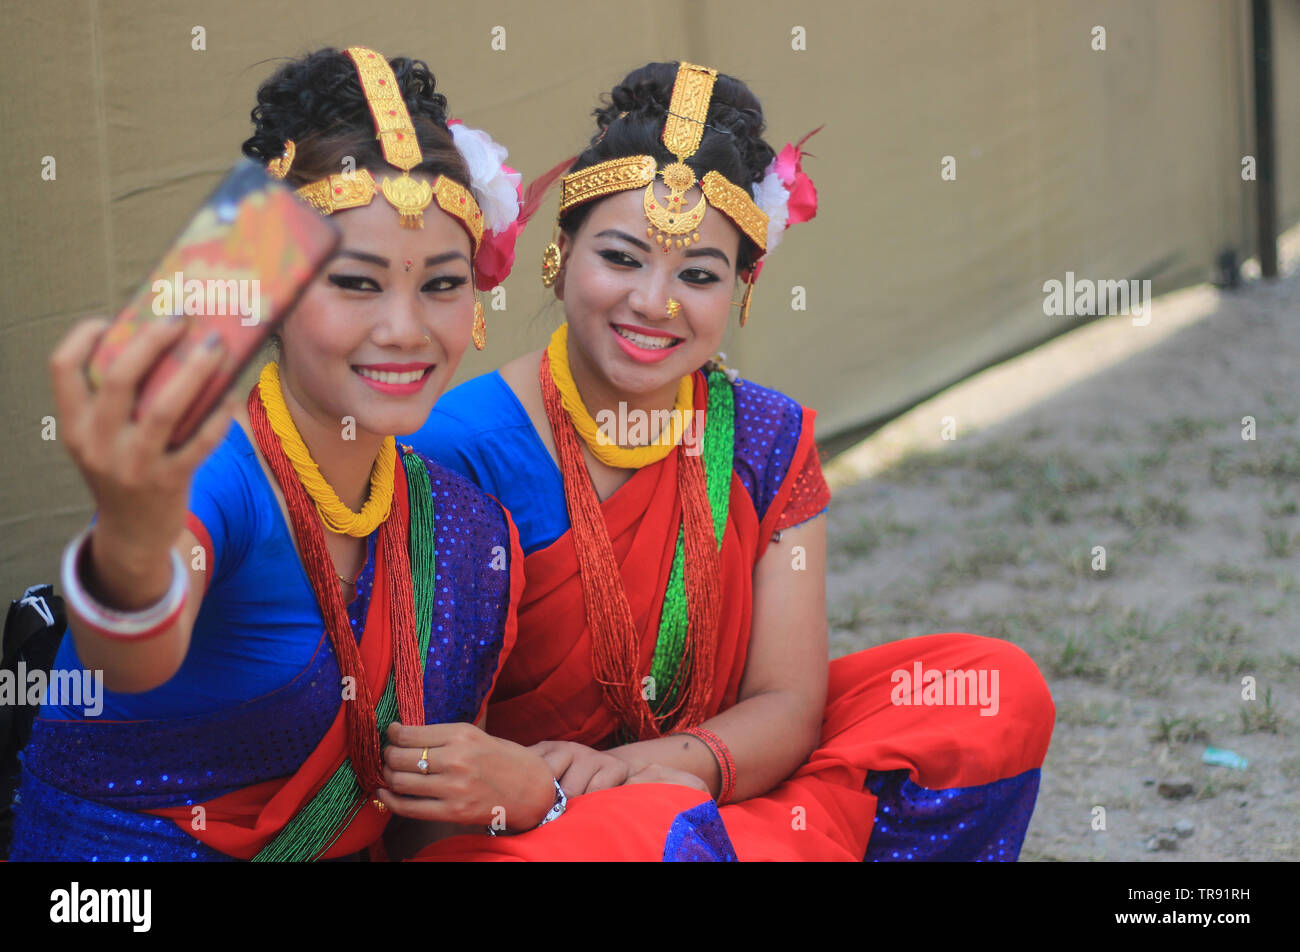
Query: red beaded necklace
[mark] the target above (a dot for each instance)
(615, 644)
(363, 738)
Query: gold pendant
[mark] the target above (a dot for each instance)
(410, 197)
(668, 219)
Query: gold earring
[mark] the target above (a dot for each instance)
(673, 307)
(480, 326)
(550, 263)
(744, 302)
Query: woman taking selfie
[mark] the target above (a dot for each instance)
(299, 621)
(672, 514)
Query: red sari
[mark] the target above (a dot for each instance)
(825, 811)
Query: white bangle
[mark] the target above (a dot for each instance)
(113, 622)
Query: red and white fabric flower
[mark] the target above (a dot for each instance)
(497, 189)
(786, 194)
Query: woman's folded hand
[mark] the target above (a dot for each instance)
(582, 769)
(470, 777)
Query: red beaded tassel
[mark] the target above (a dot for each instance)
(703, 578)
(395, 539)
(615, 645)
(363, 738)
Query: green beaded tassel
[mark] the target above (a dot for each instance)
(321, 821)
(719, 439)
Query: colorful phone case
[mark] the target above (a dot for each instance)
(238, 268)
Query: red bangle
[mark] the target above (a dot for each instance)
(726, 765)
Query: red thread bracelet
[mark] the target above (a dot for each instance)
(726, 766)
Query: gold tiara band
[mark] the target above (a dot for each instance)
(616, 175)
(339, 192)
(401, 148)
(638, 171)
(734, 202)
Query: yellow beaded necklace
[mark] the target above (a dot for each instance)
(611, 454)
(337, 517)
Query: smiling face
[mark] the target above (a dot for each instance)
(615, 285)
(356, 343)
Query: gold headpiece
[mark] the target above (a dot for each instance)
(670, 224)
(401, 149)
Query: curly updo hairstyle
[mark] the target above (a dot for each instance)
(732, 145)
(317, 101)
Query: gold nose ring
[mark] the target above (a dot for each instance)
(673, 307)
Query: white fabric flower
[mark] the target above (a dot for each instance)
(495, 189)
(771, 196)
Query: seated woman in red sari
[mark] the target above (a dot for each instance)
(268, 601)
(672, 515)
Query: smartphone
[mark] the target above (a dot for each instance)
(238, 268)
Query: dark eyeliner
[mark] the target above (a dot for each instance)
(452, 281)
(347, 282)
(613, 256)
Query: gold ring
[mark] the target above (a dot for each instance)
(423, 763)
(379, 805)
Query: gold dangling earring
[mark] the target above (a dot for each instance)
(550, 262)
(744, 303)
(479, 333)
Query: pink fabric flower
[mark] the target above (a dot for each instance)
(802, 205)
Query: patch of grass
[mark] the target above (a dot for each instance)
(1181, 429)
(1151, 511)
(1221, 783)
(1214, 599)
(1075, 557)
(1216, 646)
(1231, 572)
(1088, 714)
(1022, 626)
(989, 554)
(867, 535)
(1180, 729)
(1042, 482)
(1222, 467)
(927, 466)
(1280, 542)
(1072, 657)
(1118, 648)
(1106, 432)
(1281, 463)
(1288, 661)
(849, 612)
(1135, 467)
(1281, 508)
(1290, 768)
(1260, 718)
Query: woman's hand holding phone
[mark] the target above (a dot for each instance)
(141, 489)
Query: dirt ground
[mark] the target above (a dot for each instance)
(993, 533)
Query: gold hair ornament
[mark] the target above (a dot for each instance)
(401, 148)
(669, 224)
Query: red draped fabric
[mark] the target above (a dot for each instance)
(547, 691)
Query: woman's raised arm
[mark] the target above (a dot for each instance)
(141, 491)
